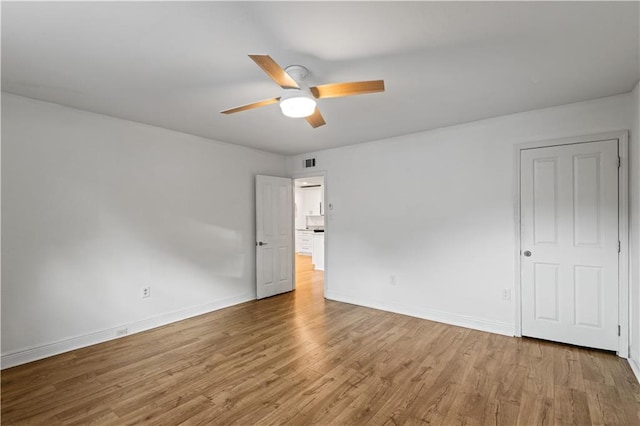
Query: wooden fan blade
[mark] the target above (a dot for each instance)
(316, 119)
(251, 106)
(275, 71)
(337, 90)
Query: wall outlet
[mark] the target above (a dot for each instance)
(393, 280)
(122, 332)
(506, 294)
(146, 292)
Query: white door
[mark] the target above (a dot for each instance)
(274, 235)
(569, 243)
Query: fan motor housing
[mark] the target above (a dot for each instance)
(297, 72)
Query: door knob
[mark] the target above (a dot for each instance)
(260, 243)
(527, 253)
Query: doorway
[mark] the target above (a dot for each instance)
(309, 221)
(572, 236)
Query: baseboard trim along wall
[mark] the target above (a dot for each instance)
(35, 353)
(429, 314)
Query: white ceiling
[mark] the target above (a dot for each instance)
(177, 64)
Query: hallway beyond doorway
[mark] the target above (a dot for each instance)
(307, 276)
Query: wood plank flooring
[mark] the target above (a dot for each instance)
(299, 359)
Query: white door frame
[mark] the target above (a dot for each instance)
(623, 228)
(308, 174)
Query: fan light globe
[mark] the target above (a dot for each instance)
(298, 106)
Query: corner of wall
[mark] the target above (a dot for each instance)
(634, 232)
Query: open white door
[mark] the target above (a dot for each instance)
(274, 235)
(569, 242)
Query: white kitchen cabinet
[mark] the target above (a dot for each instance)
(317, 257)
(313, 203)
(304, 242)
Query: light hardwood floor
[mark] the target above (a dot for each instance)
(299, 359)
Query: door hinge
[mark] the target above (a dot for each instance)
(618, 330)
(619, 162)
(619, 246)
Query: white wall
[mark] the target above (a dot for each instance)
(634, 240)
(436, 209)
(95, 208)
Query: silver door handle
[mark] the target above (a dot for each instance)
(527, 253)
(260, 243)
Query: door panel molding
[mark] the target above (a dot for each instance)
(623, 226)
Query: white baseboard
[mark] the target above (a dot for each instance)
(430, 314)
(12, 359)
(635, 365)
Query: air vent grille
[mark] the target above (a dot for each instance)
(309, 163)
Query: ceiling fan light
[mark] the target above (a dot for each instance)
(298, 106)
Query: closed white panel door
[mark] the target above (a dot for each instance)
(274, 235)
(569, 243)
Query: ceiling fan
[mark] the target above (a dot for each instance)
(298, 100)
